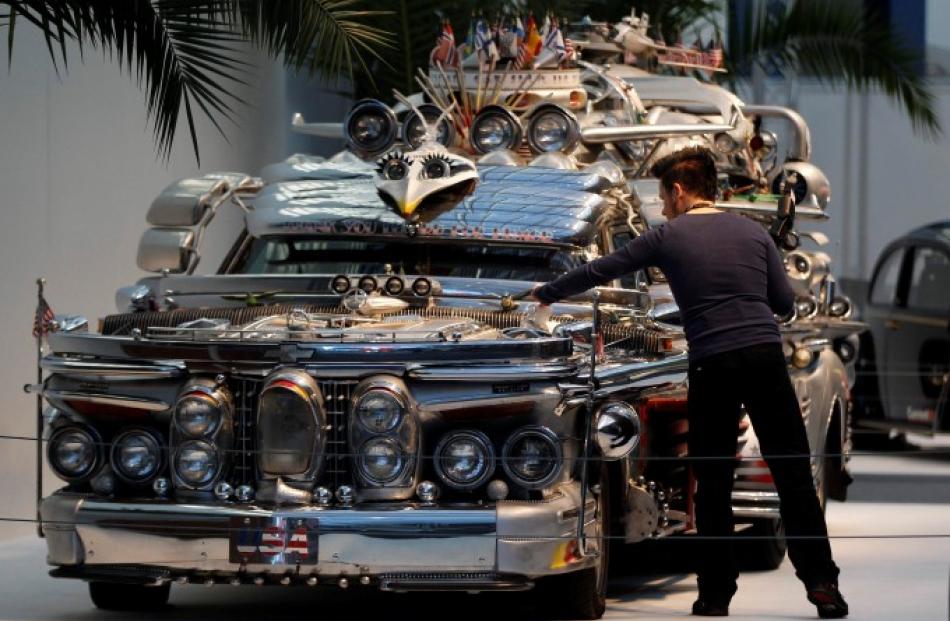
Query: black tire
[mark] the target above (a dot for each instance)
(765, 548)
(583, 594)
(117, 596)
(835, 479)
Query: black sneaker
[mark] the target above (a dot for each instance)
(827, 598)
(710, 608)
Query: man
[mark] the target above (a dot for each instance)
(728, 280)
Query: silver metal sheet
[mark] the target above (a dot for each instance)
(554, 207)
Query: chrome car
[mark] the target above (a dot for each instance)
(362, 394)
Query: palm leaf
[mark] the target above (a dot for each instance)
(836, 41)
(184, 54)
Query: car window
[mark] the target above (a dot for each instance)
(929, 281)
(884, 289)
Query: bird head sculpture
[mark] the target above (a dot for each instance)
(421, 184)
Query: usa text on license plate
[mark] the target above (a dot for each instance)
(274, 540)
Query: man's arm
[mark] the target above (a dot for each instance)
(781, 295)
(633, 255)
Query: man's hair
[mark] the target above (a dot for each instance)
(692, 167)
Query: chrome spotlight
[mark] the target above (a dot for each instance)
(414, 129)
(495, 128)
(532, 457)
(552, 128)
(370, 127)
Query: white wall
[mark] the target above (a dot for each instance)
(78, 170)
(885, 179)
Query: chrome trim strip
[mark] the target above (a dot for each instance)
(115, 371)
(474, 373)
(743, 511)
(756, 497)
(138, 403)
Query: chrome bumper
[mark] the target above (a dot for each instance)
(527, 539)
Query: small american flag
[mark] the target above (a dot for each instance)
(41, 319)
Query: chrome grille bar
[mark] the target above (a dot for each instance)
(336, 398)
(245, 392)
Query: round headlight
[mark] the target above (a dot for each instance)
(198, 413)
(340, 284)
(395, 285)
(368, 284)
(422, 286)
(532, 457)
(196, 463)
(379, 411)
(464, 459)
(73, 453)
(495, 128)
(805, 306)
(840, 307)
(413, 129)
(370, 127)
(136, 456)
(381, 460)
(552, 128)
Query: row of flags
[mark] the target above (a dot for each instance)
(521, 43)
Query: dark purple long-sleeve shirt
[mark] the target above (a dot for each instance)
(723, 269)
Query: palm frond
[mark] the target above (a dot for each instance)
(184, 53)
(323, 36)
(836, 41)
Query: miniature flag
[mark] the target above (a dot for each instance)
(554, 50)
(42, 318)
(445, 52)
(530, 46)
(485, 43)
(508, 41)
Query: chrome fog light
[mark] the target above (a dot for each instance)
(464, 459)
(196, 463)
(201, 409)
(381, 460)
(617, 430)
(73, 453)
(379, 411)
(532, 457)
(136, 456)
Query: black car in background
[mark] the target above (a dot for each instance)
(904, 366)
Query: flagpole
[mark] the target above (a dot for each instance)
(40, 282)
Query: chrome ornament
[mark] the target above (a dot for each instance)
(617, 430)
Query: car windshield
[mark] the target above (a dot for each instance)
(464, 259)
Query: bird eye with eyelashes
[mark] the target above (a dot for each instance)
(394, 166)
(436, 167)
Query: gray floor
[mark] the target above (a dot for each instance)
(882, 578)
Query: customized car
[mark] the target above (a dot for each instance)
(362, 395)
(905, 355)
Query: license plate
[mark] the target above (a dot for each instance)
(274, 540)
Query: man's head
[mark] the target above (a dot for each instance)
(686, 177)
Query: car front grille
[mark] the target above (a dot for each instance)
(336, 399)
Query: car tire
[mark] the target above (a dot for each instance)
(583, 594)
(765, 547)
(118, 596)
(835, 478)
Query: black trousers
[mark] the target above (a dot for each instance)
(754, 376)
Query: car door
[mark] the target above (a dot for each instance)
(918, 342)
(882, 304)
